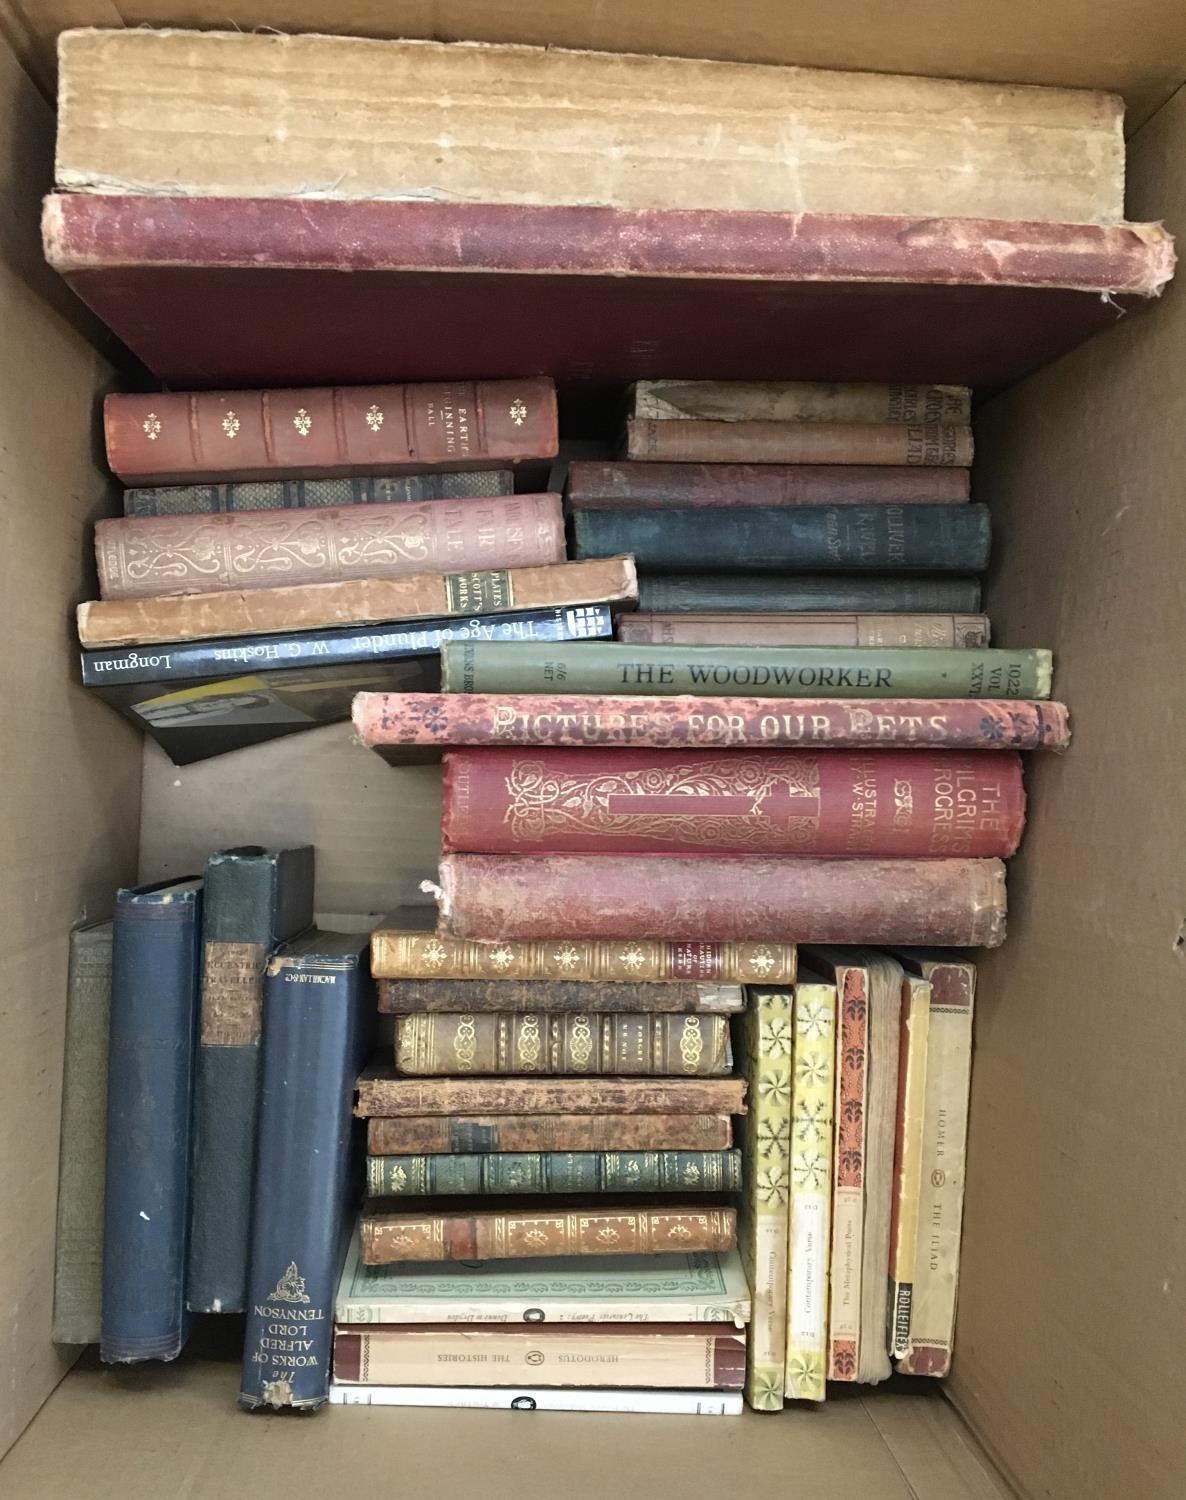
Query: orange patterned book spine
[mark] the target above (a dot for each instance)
(168, 438)
(382, 1094)
(539, 1230)
(150, 556)
(427, 1135)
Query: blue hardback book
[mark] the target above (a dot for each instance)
(254, 899)
(156, 941)
(318, 1011)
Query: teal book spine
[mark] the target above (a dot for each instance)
(600, 667)
(555, 1172)
(749, 593)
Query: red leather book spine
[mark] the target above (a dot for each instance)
(152, 556)
(951, 903)
(645, 486)
(831, 804)
(366, 429)
(707, 723)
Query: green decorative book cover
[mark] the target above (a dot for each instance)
(554, 1172)
(763, 1223)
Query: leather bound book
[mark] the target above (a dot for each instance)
(362, 601)
(388, 722)
(330, 431)
(749, 593)
(380, 1093)
(798, 401)
(545, 1228)
(155, 556)
(254, 899)
(927, 445)
(805, 629)
(730, 898)
(78, 1244)
(553, 1172)
(800, 539)
(318, 1009)
(398, 997)
(576, 1043)
(313, 494)
(802, 803)
(483, 1134)
(154, 1012)
(657, 486)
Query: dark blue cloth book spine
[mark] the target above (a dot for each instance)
(254, 898)
(796, 539)
(154, 1011)
(318, 1012)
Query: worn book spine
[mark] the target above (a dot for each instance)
(943, 1164)
(881, 1100)
(554, 1172)
(812, 1121)
(167, 438)
(521, 1233)
(434, 1045)
(659, 1355)
(804, 630)
(154, 1012)
(848, 1175)
(804, 539)
(317, 1013)
(627, 486)
(748, 593)
(469, 1135)
(397, 954)
(382, 1095)
(569, 587)
(727, 671)
(311, 494)
(804, 803)
(78, 1245)
(153, 556)
(386, 720)
(527, 1397)
(734, 898)
(923, 444)
(398, 997)
(908, 1139)
(254, 899)
(765, 1031)
(798, 401)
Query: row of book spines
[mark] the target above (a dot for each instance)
(555, 1172)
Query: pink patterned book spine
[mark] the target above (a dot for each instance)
(848, 1196)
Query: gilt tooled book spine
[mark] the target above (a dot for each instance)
(798, 401)
(804, 629)
(732, 898)
(382, 1094)
(412, 954)
(363, 601)
(166, 438)
(527, 1232)
(254, 899)
(399, 997)
(554, 1172)
(577, 1043)
(628, 486)
(482, 1134)
(311, 494)
(151, 556)
(925, 444)
(746, 593)
(907, 1187)
(834, 803)
(799, 539)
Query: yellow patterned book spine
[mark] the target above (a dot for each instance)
(764, 1217)
(813, 1083)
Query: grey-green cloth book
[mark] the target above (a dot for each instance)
(301, 494)
(78, 1255)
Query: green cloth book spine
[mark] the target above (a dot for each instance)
(764, 1218)
(313, 494)
(750, 593)
(555, 1172)
(78, 1257)
(743, 671)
